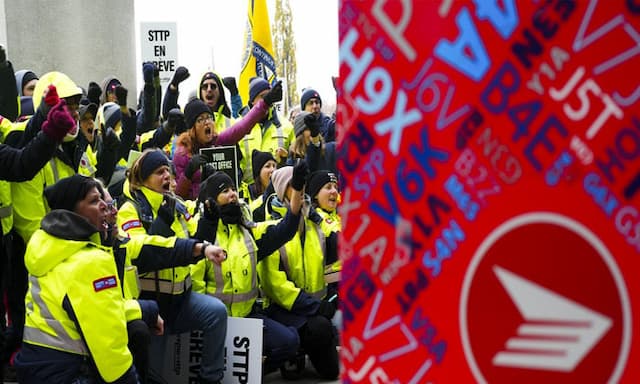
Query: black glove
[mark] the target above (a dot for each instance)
(274, 95)
(94, 92)
(175, 119)
(326, 309)
(3, 57)
(147, 72)
(300, 174)
(210, 210)
(181, 74)
(194, 164)
(167, 209)
(313, 122)
(230, 83)
(110, 140)
(121, 95)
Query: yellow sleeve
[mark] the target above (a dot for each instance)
(29, 205)
(132, 310)
(99, 308)
(129, 222)
(198, 276)
(274, 282)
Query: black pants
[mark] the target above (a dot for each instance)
(318, 341)
(15, 289)
(139, 341)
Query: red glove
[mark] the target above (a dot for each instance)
(51, 97)
(59, 121)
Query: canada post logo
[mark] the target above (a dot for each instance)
(543, 301)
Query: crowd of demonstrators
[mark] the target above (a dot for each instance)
(116, 232)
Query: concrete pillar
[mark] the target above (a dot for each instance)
(3, 25)
(87, 40)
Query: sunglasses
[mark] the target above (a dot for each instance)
(213, 86)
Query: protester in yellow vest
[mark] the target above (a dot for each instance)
(75, 329)
(235, 281)
(322, 187)
(146, 253)
(271, 134)
(20, 165)
(263, 165)
(293, 281)
(152, 209)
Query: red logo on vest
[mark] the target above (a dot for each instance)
(543, 301)
(105, 283)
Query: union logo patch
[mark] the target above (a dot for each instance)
(105, 283)
(131, 224)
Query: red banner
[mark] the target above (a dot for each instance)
(489, 154)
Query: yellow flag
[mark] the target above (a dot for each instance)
(258, 60)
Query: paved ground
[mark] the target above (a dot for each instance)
(309, 377)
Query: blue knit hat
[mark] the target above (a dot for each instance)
(307, 95)
(257, 85)
(152, 161)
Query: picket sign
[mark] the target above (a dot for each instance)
(243, 354)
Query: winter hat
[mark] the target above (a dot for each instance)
(257, 85)
(258, 160)
(112, 114)
(280, 179)
(307, 95)
(152, 161)
(192, 110)
(207, 76)
(87, 107)
(214, 185)
(317, 180)
(298, 123)
(66, 193)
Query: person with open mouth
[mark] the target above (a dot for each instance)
(74, 297)
(151, 209)
(207, 127)
(293, 279)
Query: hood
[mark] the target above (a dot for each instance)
(64, 86)
(62, 234)
(222, 106)
(104, 85)
(20, 75)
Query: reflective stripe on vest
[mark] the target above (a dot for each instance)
(230, 298)
(63, 341)
(54, 170)
(284, 258)
(248, 165)
(6, 211)
(280, 136)
(185, 228)
(165, 286)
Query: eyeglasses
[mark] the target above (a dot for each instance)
(213, 86)
(204, 119)
(112, 205)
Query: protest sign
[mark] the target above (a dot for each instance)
(223, 159)
(491, 223)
